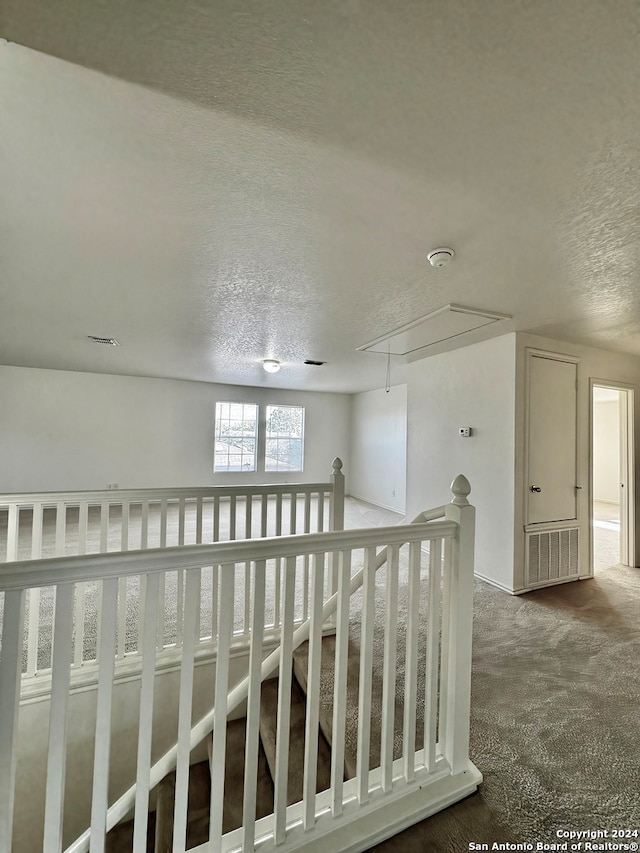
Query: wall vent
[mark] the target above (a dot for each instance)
(107, 342)
(315, 363)
(552, 555)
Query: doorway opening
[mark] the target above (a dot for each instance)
(612, 484)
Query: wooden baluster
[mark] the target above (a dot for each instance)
(122, 591)
(13, 526)
(264, 515)
(313, 693)
(145, 726)
(163, 523)
(124, 526)
(433, 655)
(340, 684)
(36, 531)
(216, 519)
(293, 512)
(61, 526)
(285, 671)
(144, 525)
(306, 562)
(10, 670)
(218, 754)
(106, 659)
(83, 525)
(199, 509)
(278, 515)
(389, 669)
(411, 664)
(445, 657)
(104, 527)
(57, 752)
(161, 611)
(366, 674)
(232, 517)
(248, 512)
(182, 511)
(214, 601)
(320, 512)
(34, 594)
(122, 617)
(185, 708)
(253, 707)
(179, 605)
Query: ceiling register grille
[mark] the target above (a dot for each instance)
(107, 342)
(552, 555)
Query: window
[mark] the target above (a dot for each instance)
(284, 438)
(236, 437)
(248, 438)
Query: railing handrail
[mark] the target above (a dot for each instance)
(419, 529)
(26, 574)
(25, 499)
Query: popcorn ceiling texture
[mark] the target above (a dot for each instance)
(242, 181)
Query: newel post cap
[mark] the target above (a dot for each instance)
(461, 488)
(337, 465)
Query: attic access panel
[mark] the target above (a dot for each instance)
(441, 325)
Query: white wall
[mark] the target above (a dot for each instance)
(378, 448)
(61, 430)
(606, 449)
(473, 386)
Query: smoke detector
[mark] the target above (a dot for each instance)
(440, 257)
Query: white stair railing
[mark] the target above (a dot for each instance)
(37, 526)
(374, 804)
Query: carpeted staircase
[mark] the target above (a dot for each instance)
(119, 840)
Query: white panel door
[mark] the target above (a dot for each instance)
(552, 440)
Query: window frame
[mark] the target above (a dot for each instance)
(261, 438)
(216, 437)
(277, 438)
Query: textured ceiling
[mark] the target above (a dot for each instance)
(213, 183)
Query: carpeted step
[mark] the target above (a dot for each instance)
(197, 810)
(301, 669)
(268, 729)
(120, 838)
(200, 794)
(234, 778)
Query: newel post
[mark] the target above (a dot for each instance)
(457, 629)
(336, 504)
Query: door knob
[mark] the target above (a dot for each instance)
(535, 489)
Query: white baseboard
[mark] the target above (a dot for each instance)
(399, 512)
(499, 586)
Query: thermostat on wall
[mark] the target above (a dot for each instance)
(464, 432)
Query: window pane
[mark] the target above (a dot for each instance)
(284, 438)
(236, 433)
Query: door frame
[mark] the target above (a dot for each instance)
(534, 352)
(627, 469)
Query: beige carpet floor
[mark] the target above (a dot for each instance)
(555, 719)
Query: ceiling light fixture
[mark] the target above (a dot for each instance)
(271, 365)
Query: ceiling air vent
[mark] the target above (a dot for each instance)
(107, 342)
(315, 363)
